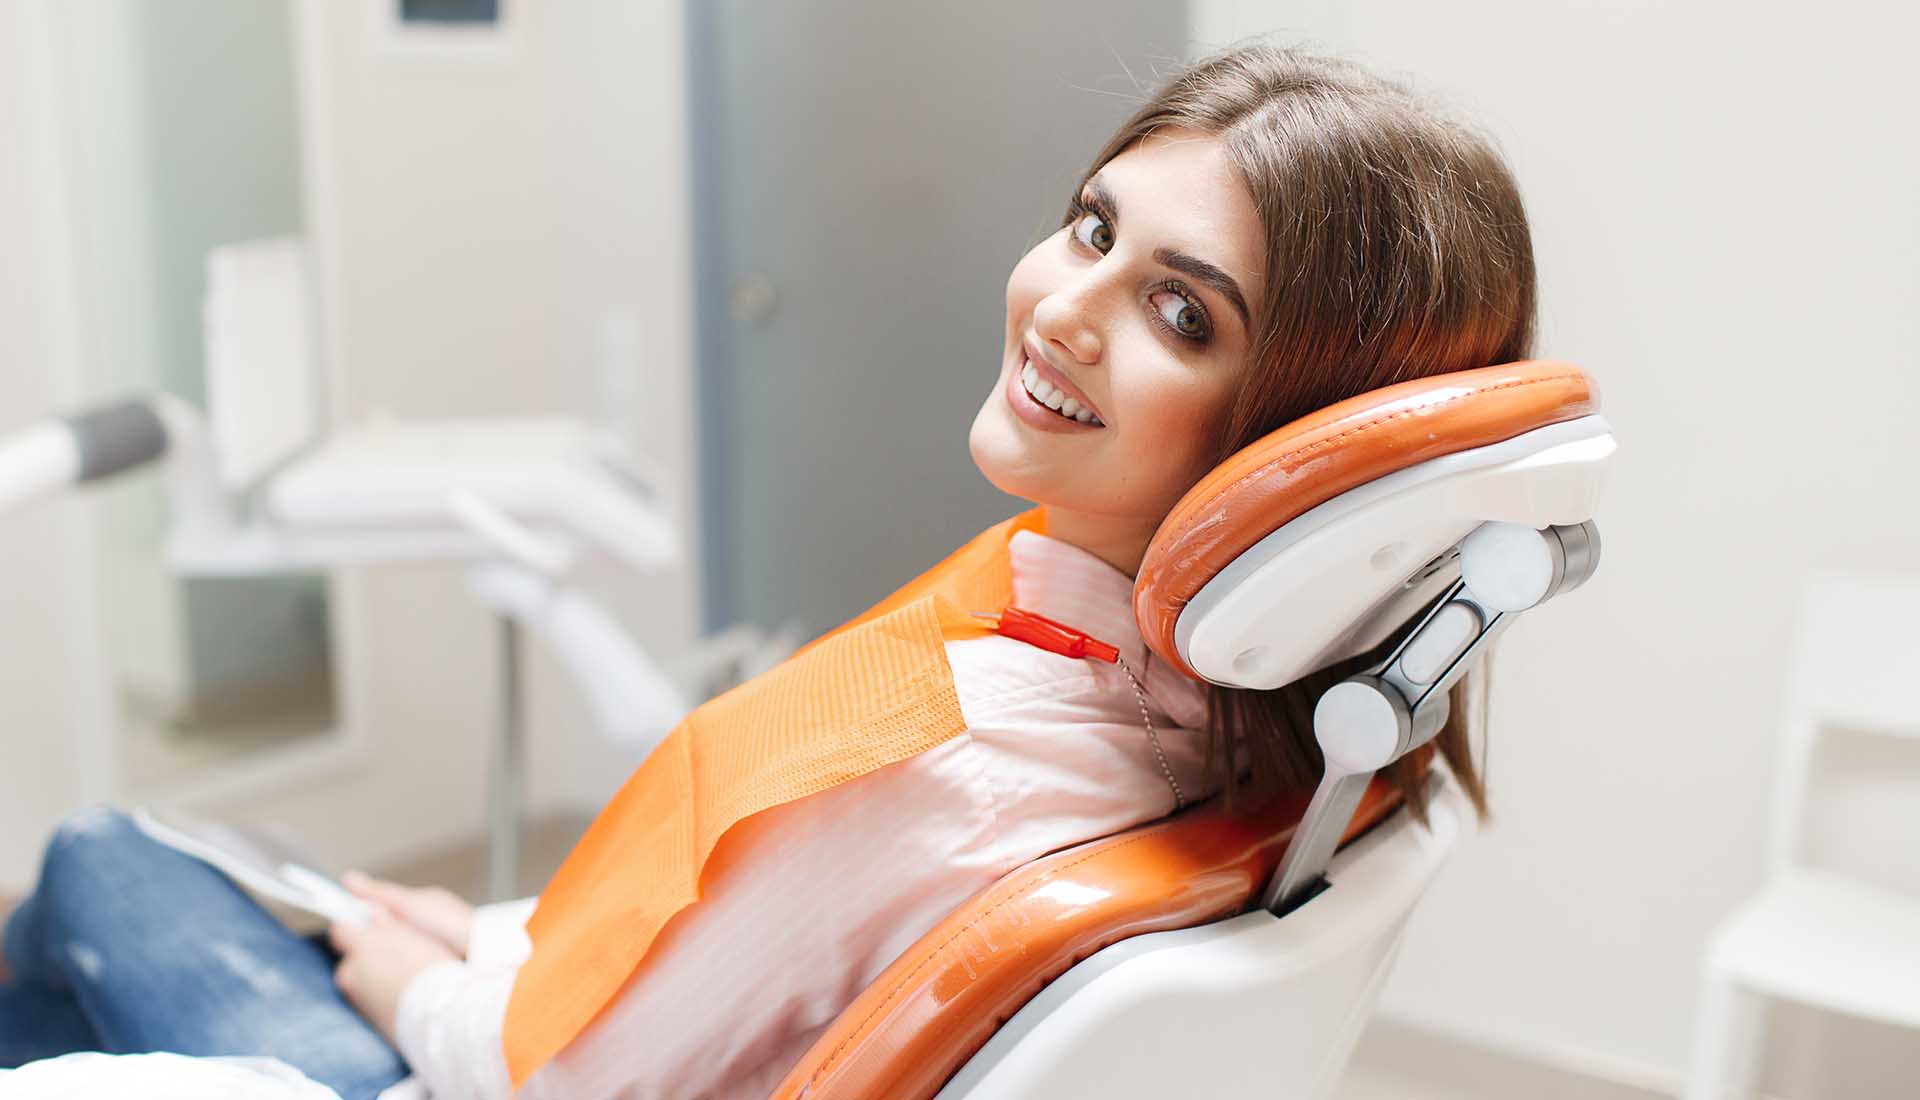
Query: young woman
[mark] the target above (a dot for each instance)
(1270, 234)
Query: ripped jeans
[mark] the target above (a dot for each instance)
(127, 946)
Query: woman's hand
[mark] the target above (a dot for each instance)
(413, 928)
(439, 913)
(378, 962)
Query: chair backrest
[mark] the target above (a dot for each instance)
(1251, 1006)
(941, 999)
(1856, 666)
(947, 995)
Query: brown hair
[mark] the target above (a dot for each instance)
(1396, 248)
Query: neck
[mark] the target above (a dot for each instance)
(1120, 541)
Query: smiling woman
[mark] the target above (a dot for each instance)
(1272, 233)
(1135, 312)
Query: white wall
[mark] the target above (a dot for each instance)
(1723, 207)
(43, 553)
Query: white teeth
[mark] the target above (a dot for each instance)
(1050, 396)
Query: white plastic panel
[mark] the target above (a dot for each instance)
(36, 462)
(400, 476)
(1334, 582)
(263, 385)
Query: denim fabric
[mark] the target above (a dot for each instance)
(127, 946)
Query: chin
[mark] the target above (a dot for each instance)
(995, 455)
(1002, 454)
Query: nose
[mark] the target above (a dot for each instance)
(1069, 320)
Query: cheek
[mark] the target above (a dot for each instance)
(1178, 427)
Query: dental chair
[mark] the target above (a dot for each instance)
(1223, 953)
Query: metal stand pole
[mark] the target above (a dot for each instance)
(506, 779)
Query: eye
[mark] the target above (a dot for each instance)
(1092, 230)
(1181, 313)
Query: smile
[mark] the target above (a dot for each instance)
(1044, 394)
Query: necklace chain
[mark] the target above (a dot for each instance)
(1140, 694)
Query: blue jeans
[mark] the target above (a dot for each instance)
(126, 946)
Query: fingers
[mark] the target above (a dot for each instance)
(346, 937)
(405, 902)
(440, 913)
(368, 888)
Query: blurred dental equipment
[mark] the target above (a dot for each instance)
(633, 700)
(55, 455)
(401, 492)
(255, 487)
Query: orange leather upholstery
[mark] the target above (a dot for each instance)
(943, 998)
(1318, 457)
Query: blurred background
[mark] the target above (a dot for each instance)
(765, 245)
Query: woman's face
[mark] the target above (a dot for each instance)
(1127, 332)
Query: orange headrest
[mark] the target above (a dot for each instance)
(1318, 457)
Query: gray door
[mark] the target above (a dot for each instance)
(866, 176)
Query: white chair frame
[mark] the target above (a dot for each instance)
(1814, 936)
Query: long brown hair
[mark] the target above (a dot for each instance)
(1396, 248)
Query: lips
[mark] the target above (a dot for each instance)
(1030, 412)
(1052, 380)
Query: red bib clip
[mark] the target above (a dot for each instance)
(1038, 630)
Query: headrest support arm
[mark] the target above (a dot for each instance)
(1372, 719)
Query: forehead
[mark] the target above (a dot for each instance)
(1177, 187)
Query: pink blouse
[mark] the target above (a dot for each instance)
(834, 886)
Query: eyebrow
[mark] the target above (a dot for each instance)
(1186, 264)
(1208, 274)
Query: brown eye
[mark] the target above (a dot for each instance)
(1181, 314)
(1093, 231)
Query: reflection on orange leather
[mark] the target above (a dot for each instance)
(944, 997)
(1341, 447)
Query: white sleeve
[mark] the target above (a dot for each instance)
(451, 1014)
(498, 939)
(449, 1030)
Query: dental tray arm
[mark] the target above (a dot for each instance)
(112, 438)
(1372, 719)
(633, 700)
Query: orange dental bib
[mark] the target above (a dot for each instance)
(874, 692)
